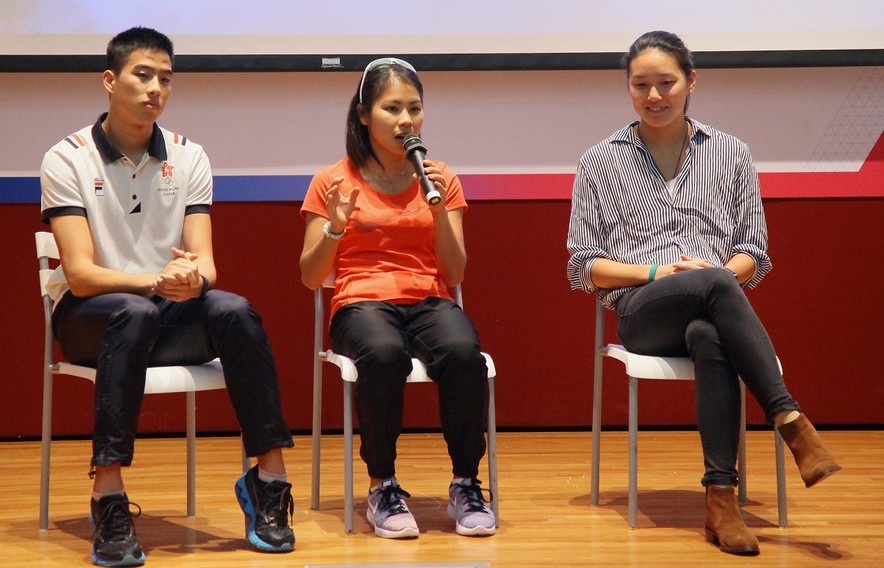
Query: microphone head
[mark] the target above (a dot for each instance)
(412, 142)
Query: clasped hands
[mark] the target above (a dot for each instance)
(180, 280)
(686, 263)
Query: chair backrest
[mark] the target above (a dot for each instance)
(47, 250)
(46, 246)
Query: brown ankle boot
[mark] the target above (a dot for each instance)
(814, 461)
(724, 523)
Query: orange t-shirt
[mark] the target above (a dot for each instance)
(388, 251)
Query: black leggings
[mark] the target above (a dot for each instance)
(381, 338)
(122, 334)
(705, 315)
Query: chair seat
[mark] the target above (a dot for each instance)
(647, 367)
(418, 369)
(194, 378)
(651, 367)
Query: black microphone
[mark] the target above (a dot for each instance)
(417, 153)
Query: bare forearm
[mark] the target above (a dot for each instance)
(742, 265)
(317, 263)
(451, 256)
(92, 281)
(612, 274)
(318, 255)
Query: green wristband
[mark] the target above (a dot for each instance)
(653, 272)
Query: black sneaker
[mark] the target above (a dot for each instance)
(113, 533)
(268, 507)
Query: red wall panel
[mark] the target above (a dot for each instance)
(821, 304)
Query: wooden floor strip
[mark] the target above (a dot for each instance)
(546, 517)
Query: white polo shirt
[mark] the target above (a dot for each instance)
(135, 211)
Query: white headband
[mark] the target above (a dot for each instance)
(381, 62)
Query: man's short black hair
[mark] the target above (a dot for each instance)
(124, 43)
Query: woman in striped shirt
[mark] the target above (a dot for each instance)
(666, 226)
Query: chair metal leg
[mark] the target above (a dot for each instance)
(782, 507)
(318, 323)
(742, 496)
(492, 453)
(598, 353)
(191, 453)
(596, 429)
(348, 456)
(46, 442)
(632, 499)
(316, 432)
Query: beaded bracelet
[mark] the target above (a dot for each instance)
(326, 230)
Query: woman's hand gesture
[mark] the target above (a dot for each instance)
(338, 205)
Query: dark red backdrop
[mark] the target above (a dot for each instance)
(821, 304)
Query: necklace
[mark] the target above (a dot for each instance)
(684, 144)
(390, 184)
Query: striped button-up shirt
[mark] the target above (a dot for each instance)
(622, 210)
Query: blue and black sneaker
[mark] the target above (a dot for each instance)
(268, 508)
(113, 533)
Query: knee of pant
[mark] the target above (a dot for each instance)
(461, 351)
(231, 308)
(139, 317)
(701, 336)
(723, 279)
(384, 359)
(701, 329)
(466, 358)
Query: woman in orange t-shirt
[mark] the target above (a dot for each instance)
(395, 257)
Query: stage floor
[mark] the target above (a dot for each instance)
(546, 517)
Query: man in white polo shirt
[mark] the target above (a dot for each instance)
(128, 203)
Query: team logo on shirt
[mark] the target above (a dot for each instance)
(168, 186)
(98, 186)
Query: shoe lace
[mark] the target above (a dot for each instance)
(278, 500)
(115, 520)
(392, 500)
(472, 494)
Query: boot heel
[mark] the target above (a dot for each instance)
(814, 461)
(822, 475)
(724, 523)
(711, 536)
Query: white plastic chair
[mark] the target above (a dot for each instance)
(186, 379)
(661, 368)
(349, 376)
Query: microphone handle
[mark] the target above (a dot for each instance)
(433, 195)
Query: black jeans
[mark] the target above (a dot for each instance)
(381, 338)
(122, 334)
(705, 315)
